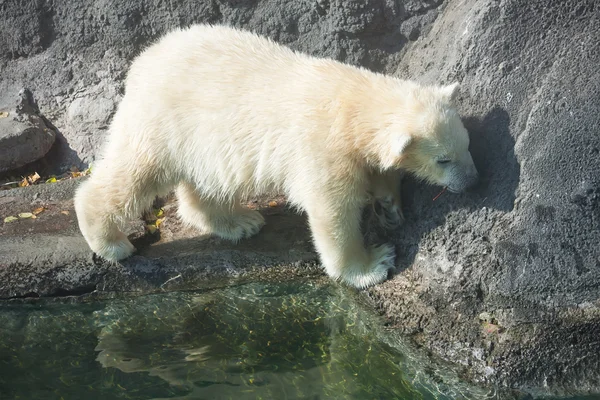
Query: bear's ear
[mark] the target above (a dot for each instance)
(395, 151)
(450, 92)
(399, 143)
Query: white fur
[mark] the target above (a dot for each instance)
(223, 114)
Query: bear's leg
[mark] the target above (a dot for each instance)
(335, 227)
(225, 220)
(122, 186)
(113, 194)
(385, 189)
(97, 223)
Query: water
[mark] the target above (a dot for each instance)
(256, 341)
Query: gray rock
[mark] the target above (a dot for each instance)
(48, 257)
(523, 247)
(24, 136)
(74, 55)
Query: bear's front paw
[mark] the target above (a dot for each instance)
(388, 213)
(381, 261)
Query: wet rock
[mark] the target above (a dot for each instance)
(24, 136)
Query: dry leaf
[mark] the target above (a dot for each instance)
(273, 204)
(25, 215)
(3, 114)
(33, 178)
(10, 219)
(64, 212)
(158, 222)
(38, 210)
(51, 180)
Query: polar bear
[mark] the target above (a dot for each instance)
(220, 115)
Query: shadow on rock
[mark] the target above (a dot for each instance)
(430, 223)
(492, 148)
(59, 157)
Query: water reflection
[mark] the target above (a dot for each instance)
(270, 341)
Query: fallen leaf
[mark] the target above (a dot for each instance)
(25, 215)
(158, 222)
(33, 178)
(3, 114)
(88, 170)
(159, 212)
(51, 180)
(151, 228)
(38, 210)
(10, 219)
(273, 204)
(64, 212)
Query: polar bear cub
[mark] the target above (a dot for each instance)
(222, 114)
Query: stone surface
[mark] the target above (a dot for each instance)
(74, 55)
(24, 136)
(523, 248)
(47, 256)
(503, 280)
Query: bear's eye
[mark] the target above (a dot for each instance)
(443, 161)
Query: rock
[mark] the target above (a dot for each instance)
(523, 247)
(74, 55)
(48, 257)
(24, 136)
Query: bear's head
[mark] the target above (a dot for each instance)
(430, 140)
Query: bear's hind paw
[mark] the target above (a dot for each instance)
(115, 250)
(239, 226)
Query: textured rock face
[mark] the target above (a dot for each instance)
(24, 136)
(503, 280)
(506, 280)
(74, 55)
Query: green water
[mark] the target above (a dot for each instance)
(256, 341)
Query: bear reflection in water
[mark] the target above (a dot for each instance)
(274, 341)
